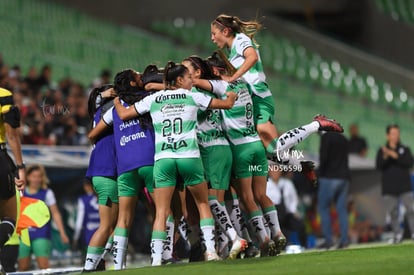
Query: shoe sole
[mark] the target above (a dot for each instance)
(269, 249)
(239, 246)
(280, 245)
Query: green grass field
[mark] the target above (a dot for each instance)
(372, 259)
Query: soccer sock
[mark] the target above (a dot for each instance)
(120, 247)
(108, 246)
(270, 215)
(222, 242)
(237, 219)
(207, 227)
(168, 243)
(258, 227)
(183, 229)
(7, 227)
(280, 146)
(93, 256)
(222, 218)
(157, 246)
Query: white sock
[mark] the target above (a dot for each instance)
(183, 229)
(120, 247)
(157, 247)
(93, 256)
(258, 227)
(207, 227)
(237, 219)
(291, 138)
(222, 219)
(222, 242)
(168, 243)
(270, 215)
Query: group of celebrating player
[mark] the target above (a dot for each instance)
(186, 137)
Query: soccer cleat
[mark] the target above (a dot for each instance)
(280, 242)
(251, 251)
(238, 246)
(327, 124)
(268, 249)
(197, 252)
(156, 262)
(171, 260)
(308, 170)
(101, 265)
(211, 256)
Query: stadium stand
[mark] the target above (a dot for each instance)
(304, 81)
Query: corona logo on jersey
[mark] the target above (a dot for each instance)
(162, 98)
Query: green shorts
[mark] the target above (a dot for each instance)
(107, 190)
(132, 182)
(249, 160)
(217, 165)
(264, 109)
(40, 247)
(167, 171)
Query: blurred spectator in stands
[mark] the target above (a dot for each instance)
(40, 238)
(47, 111)
(44, 79)
(357, 144)
(31, 79)
(333, 183)
(395, 160)
(281, 190)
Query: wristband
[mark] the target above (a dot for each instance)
(21, 166)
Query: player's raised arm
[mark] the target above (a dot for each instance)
(223, 103)
(123, 112)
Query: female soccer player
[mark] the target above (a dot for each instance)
(217, 159)
(174, 116)
(135, 170)
(248, 152)
(103, 175)
(237, 36)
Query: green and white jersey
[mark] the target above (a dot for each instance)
(255, 75)
(238, 122)
(174, 116)
(209, 127)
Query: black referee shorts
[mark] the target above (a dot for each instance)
(7, 174)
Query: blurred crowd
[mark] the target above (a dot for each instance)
(51, 113)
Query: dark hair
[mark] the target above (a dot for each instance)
(92, 99)
(131, 94)
(152, 74)
(219, 60)
(172, 71)
(199, 64)
(390, 126)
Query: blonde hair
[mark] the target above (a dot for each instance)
(236, 25)
(37, 167)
